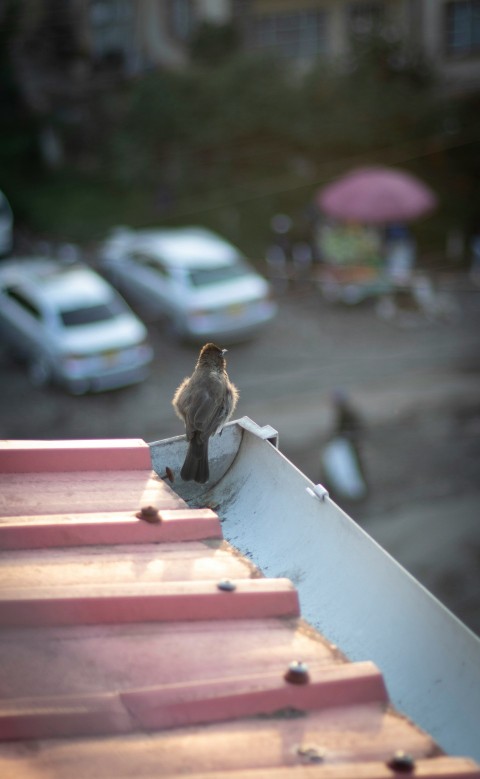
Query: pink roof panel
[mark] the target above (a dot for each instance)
(141, 644)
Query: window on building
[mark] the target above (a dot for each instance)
(296, 35)
(462, 27)
(111, 25)
(364, 18)
(180, 19)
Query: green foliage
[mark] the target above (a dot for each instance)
(199, 131)
(195, 131)
(213, 44)
(380, 100)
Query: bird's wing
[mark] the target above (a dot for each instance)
(209, 412)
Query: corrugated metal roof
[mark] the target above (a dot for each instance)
(137, 644)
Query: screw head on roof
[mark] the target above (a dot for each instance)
(311, 753)
(297, 673)
(402, 762)
(226, 585)
(148, 513)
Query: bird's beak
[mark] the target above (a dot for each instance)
(224, 351)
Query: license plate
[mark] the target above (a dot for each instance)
(110, 357)
(236, 309)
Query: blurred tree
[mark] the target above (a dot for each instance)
(214, 44)
(18, 131)
(383, 97)
(203, 129)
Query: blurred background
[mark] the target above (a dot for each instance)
(240, 116)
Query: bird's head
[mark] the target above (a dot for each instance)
(212, 353)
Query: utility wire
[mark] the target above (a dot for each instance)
(385, 154)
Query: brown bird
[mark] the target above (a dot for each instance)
(205, 401)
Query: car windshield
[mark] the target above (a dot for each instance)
(201, 277)
(87, 315)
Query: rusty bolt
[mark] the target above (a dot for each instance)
(149, 514)
(168, 475)
(226, 585)
(297, 673)
(402, 762)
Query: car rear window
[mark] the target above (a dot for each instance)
(87, 315)
(200, 277)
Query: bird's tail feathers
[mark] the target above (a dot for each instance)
(195, 467)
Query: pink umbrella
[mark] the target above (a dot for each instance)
(376, 195)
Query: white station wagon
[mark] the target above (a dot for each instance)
(70, 326)
(195, 279)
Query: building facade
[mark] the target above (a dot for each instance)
(134, 36)
(150, 33)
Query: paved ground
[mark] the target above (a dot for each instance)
(415, 383)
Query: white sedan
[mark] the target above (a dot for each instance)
(70, 326)
(192, 277)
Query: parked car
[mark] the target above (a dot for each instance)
(6, 226)
(202, 284)
(70, 326)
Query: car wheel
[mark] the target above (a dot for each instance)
(331, 292)
(78, 389)
(39, 372)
